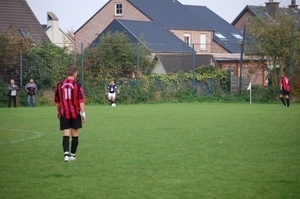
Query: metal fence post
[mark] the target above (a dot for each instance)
(230, 71)
(291, 52)
(138, 62)
(193, 63)
(241, 61)
(82, 69)
(21, 69)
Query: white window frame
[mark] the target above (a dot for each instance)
(203, 42)
(187, 39)
(237, 35)
(118, 11)
(220, 36)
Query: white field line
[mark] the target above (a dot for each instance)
(36, 135)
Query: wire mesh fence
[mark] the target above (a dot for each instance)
(127, 64)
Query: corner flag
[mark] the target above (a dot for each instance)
(249, 87)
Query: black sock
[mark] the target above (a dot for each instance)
(74, 144)
(109, 101)
(288, 102)
(65, 143)
(282, 99)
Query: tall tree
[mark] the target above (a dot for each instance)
(11, 44)
(116, 56)
(270, 40)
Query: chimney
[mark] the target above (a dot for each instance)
(52, 20)
(293, 5)
(272, 8)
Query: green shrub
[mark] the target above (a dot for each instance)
(22, 97)
(45, 97)
(94, 92)
(3, 93)
(262, 95)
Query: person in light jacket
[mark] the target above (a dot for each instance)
(12, 93)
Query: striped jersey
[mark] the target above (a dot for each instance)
(284, 81)
(68, 95)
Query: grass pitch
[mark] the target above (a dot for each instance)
(174, 150)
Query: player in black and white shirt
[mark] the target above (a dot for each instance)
(111, 90)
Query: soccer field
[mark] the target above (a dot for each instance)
(172, 150)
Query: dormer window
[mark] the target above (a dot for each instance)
(118, 9)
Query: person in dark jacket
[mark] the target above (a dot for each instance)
(12, 93)
(31, 89)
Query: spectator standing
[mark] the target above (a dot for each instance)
(12, 93)
(31, 90)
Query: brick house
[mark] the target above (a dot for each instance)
(196, 26)
(188, 23)
(268, 11)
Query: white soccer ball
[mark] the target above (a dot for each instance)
(113, 105)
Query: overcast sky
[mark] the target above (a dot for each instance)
(72, 14)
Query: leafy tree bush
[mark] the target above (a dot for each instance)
(11, 44)
(47, 64)
(269, 40)
(3, 93)
(95, 92)
(102, 62)
(268, 94)
(22, 97)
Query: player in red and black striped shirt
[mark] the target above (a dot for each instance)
(284, 90)
(69, 99)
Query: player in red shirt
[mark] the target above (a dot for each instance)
(284, 90)
(69, 99)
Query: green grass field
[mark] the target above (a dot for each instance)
(159, 151)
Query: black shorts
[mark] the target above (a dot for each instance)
(74, 123)
(284, 92)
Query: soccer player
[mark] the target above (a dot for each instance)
(12, 93)
(31, 89)
(284, 90)
(69, 99)
(111, 90)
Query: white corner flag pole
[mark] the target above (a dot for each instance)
(249, 88)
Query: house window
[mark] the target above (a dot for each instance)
(25, 34)
(238, 36)
(202, 41)
(219, 35)
(187, 38)
(119, 10)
